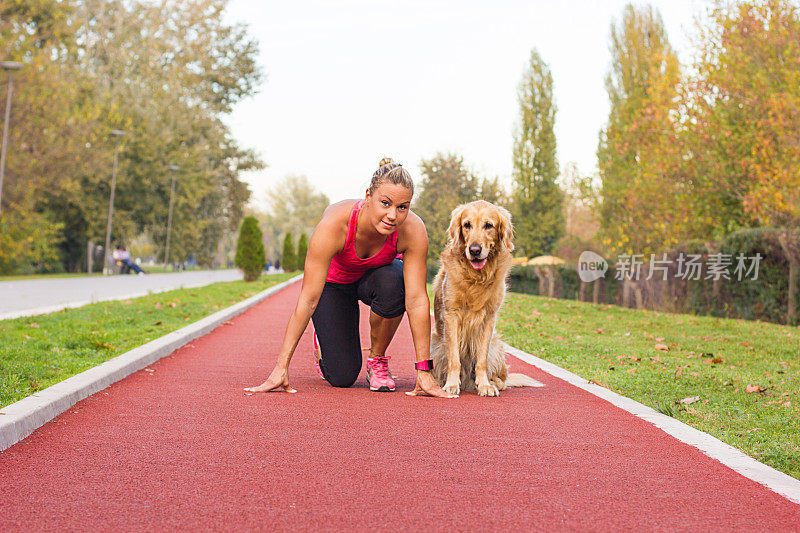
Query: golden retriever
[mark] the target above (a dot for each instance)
(468, 292)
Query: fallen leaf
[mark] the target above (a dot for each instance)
(787, 404)
(157, 323)
(171, 304)
(103, 345)
(659, 339)
(754, 388)
(127, 302)
(689, 399)
(27, 336)
(159, 306)
(227, 323)
(694, 373)
(717, 360)
(33, 325)
(662, 347)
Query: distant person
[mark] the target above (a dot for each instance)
(123, 257)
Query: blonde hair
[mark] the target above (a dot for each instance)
(391, 172)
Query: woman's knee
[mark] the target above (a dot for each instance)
(340, 375)
(388, 288)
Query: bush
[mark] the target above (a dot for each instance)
(289, 256)
(250, 250)
(767, 297)
(302, 251)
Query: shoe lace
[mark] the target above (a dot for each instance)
(380, 366)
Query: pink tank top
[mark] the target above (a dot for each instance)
(346, 266)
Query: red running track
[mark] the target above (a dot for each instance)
(183, 448)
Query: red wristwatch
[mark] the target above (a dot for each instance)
(424, 365)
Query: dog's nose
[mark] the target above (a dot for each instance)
(475, 250)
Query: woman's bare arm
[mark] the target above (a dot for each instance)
(326, 241)
(418, 305)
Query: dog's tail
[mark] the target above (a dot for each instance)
(521, 380)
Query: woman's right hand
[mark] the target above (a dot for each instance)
(278, 379)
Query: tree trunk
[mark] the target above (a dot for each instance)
(626, 292)
(716, 284)
(551, 278)
(582, 291)
(542, 281)
(637, 292)
(790, 242)
(597, 290)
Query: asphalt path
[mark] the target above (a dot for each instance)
(37, 296)
(180, 446)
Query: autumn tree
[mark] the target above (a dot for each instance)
(646, 199)
(536, 198)
(165, 74)
(745, 117)
(446, 183)
(292, 204)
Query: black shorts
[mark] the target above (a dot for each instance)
(336, 318)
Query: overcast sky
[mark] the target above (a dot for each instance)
(349, 81)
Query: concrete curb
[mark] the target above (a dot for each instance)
(21, 418)
(736, 460)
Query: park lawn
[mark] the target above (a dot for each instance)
(39, 351)
(745, 375)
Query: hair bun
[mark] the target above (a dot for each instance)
(385, 161)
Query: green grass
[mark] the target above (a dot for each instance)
(713, 359)
(39, 351)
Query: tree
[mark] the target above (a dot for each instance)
(536, 198)
(446, 183)
(293, 204)
(250, 250)
(745, 115)
(289, 256)
(302, 251)
(165, 73)
(647, 201)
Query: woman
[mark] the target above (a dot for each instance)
(353, 256)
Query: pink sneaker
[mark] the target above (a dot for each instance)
(378, 374)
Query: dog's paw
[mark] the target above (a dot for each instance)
(452, 388)
(499, 383)
(488, 389)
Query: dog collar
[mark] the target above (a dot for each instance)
(424, 365)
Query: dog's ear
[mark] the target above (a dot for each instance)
(506, 229)
(454, 230)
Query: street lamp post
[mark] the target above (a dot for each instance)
(172, 169)
(117, 134)
(10, 67)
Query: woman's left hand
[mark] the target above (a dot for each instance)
(426, 385)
